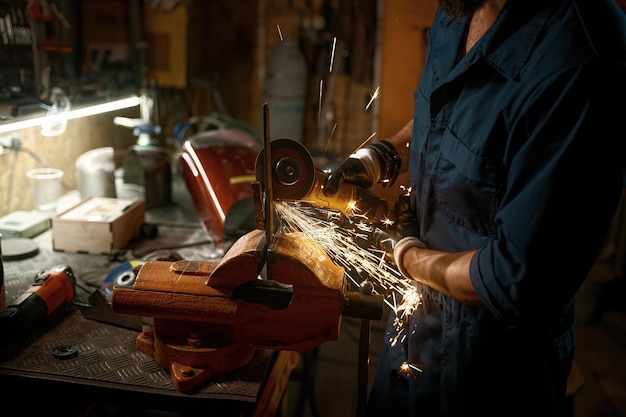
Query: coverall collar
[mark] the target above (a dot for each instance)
(506, 46)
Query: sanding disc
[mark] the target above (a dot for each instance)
(293, 171)
(17, 248)
(122, 276)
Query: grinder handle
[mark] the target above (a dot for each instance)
(49, 291)
(351, 200)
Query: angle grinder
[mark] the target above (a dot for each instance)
(295, 178)
(50, 289)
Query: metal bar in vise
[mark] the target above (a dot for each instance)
(269, 198)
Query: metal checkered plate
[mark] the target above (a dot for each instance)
(107, 354)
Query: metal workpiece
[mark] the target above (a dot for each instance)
(363, 306)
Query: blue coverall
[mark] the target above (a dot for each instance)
(517, 152)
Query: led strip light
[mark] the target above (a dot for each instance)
(72, 114)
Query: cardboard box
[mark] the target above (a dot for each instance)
(98, 225)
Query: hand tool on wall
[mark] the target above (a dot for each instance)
(46, 23)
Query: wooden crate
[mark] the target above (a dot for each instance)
(98, 225)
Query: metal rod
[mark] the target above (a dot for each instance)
(269, 198)
(365, 288)
(363, 380)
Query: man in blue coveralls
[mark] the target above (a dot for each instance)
(515, 166)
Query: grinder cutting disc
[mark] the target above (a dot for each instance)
(293, 171)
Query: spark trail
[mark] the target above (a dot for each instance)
(350, 244)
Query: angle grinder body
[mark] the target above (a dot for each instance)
(295, 178)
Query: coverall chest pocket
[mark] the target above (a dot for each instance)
(466, 187)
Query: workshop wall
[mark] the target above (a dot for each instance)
(227, 43)
(231, 40)
(72, 43)
(222, 64)
(339, 41)
(60, 152)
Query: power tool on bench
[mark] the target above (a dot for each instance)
(50, 289)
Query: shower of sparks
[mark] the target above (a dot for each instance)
(280, 33)
(332, 55)
(374, 97)
(352, 245)
(408, 369)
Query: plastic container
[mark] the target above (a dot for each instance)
(46, 187)
(285, 90)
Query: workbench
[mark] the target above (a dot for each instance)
(108, 370)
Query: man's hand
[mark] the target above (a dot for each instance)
(406, 225)
(378, 162)
(351, 170)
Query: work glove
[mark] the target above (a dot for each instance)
(407, 230)
(405, 225)
(377, 162)
(400, 249)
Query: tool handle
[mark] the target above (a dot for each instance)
(55, 287)
(351, 200)
(49, 291)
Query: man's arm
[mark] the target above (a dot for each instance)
(445, 272)
(401, 141)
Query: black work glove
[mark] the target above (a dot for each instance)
(405, 225)
(378, 162)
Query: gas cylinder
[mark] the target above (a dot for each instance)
(285, 90)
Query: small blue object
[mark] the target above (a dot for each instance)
(122, 276)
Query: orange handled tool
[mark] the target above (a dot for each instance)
(49, 291)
